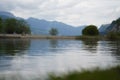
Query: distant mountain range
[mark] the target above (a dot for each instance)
(42, 27)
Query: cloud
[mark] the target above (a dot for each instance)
(74, 12)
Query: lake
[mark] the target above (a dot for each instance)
(24, 59)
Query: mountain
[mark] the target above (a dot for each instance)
(5, 15)
(41, 26)
(114, 26)
(102, 29)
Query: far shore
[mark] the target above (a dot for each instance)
(27, 36)
(30, 36)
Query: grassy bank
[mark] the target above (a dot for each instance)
(96, 74)
(106, 37)
(89, 37)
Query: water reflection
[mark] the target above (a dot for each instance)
(10, 49)
(116, 49)
(13, 47)
(44, 56)
(53, 43)
(90, 45)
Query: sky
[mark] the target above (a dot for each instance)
(72, 12)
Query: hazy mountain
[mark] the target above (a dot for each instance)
(40, 26)
(102, 29)
(5, 15)
(114, 26)
(43, 27)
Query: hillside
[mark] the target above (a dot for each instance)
(102, 29)
(42, 27)
(114, 26)
(5, 15)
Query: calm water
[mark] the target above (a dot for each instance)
(29, 59)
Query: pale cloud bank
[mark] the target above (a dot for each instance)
(73, 12)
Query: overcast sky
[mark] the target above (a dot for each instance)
(73, 12)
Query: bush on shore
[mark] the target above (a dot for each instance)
(90, 30)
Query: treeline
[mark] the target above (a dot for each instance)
(14, 26)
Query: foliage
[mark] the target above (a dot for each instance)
(96, 74)
(113, 35)
(12, 25)
(90, 30)
(53, 31)
(22, 27)
(0, 25)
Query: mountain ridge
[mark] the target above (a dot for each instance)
(114, 26)
(63, 29)
(5, 15)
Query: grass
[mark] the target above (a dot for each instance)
(105, 37)
(96, 74)
(89, 37)
(113, 36)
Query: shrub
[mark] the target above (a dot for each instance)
(90, 30)
(53, 31)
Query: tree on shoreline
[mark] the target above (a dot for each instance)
(0, 25)
(53, 31)
(22, 27)
(90, 30)
(12, 25)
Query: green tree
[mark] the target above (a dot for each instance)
(22, 27)
(53, 31)
(90, 30)
(10, 25)
(1, 26)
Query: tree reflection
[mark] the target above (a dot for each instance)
(53, 43)
(13, 46)
(116, 49)
(90, 45)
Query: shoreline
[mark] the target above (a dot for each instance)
(4, 36)
(27, 36)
